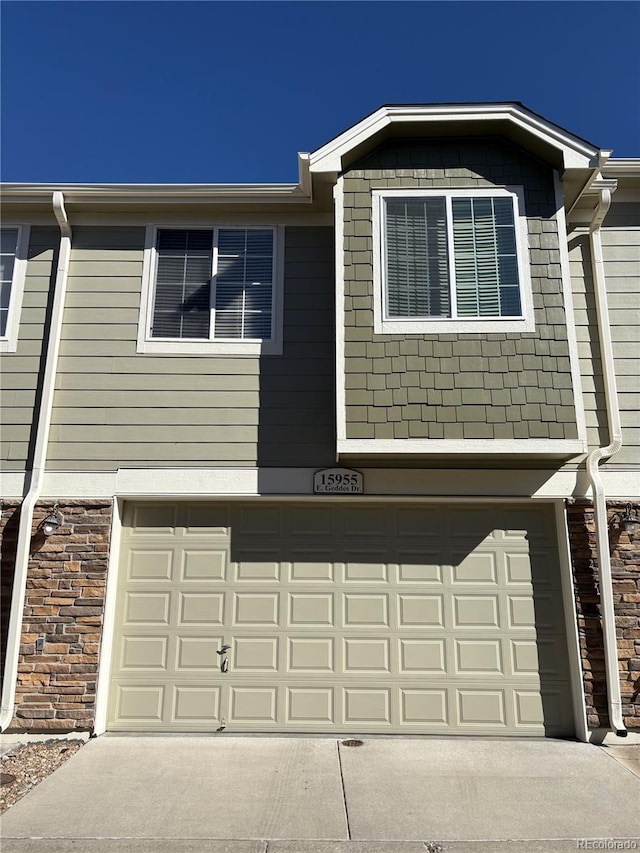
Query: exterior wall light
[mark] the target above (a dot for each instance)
(51, 523)
(627, 519)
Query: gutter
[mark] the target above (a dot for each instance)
(614, 698)
(37, 471)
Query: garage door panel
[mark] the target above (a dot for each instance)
(479, 657)
(206, 518)
(475, 568)
(255, 609)
(201, 608)
(366, 705)
(481, 707)
(310, 655)
(147, 608)
(340, 617)
(144, 653)
(313, 706)
(365, 611)
(365, 568)
(421, 611)
(253, 704)
(422, 656)
(260, 566)
(366, 654)
(255, 654)
(139, 703)
(475, 611)
(158, 519)
(196, 706)
(424, 707)
(310, 610)
(313, 566)
(204, 565)
(198, 654)
(420, 567)
(145, 565)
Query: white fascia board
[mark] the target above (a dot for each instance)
(577, 153)
(159, 193)
(463, 447)
(622, 167)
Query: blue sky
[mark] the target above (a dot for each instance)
(210, 92)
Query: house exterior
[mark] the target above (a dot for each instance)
(356, 454)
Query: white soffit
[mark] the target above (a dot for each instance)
(576, 153)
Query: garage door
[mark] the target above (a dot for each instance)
(340, 617)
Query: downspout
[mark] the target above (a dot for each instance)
(593, 461)
(37, 471)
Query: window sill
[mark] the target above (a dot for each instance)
(459, 327)
(248, 348)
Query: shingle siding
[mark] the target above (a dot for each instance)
(507, 386)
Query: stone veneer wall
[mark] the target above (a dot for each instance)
(64, 606)
(625, 570)
(453, 386)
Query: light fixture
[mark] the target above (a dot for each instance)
(627, 519)
(51, 522)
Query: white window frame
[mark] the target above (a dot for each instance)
(213, 346)
(446, 325)
(9, 341)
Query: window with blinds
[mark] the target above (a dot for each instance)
(214, 285)
(450, 256)
(8, 249)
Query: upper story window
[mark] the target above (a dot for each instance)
(212, 290)
(13, 243)
(451, 261)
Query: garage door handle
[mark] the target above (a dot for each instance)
(224, 663)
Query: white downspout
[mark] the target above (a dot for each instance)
(593, 461)
(37, 471)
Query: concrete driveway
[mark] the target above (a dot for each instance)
(283, 795)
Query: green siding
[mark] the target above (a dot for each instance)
(115, 407)
(451, 386)
(621, 253)
(19, 374)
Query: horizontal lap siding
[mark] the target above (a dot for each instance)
(115, 407)
(19, 373)
(621, 254)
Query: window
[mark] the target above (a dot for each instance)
(212, 290)
(451, 261)
(13, 242)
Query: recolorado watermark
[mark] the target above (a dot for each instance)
(606, 844)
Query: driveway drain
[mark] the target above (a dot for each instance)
(352, 742)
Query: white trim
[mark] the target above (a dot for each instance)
(567, 297)
(576, 152)
(450, 325)
(108, 623)
(199, 482)
(341, 405)
(158, 346)
(12, 484)
(489, 447)
(170, 194)
(9, 342)
(571, 623)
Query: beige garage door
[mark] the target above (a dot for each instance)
(340, 617)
